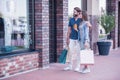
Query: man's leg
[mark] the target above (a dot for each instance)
(71, 46)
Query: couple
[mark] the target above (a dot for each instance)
(78, 38)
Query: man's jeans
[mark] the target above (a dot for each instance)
(74, 48)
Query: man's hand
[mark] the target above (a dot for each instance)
(68, 41)
(76, 27)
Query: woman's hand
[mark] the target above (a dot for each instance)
(86, 44)
(89, 24)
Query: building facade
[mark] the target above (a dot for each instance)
(34, 34)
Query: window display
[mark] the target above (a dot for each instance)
(15, 32)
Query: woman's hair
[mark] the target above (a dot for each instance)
(77, 9)
(84, 16)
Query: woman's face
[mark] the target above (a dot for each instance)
(80, 15)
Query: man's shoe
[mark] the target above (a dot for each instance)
(77, 70)
(68, 68)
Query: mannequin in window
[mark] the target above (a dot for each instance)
(1, 31)
(1, 23)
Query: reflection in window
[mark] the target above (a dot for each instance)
(15, 31)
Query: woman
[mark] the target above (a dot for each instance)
(84, 36)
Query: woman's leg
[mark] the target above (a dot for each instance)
(77, 56)
(85, 66)
(86, 69)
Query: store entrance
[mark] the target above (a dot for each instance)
(52, 31)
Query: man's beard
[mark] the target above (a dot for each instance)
(75, 15)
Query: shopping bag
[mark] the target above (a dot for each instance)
(62, 58)
(86, 56)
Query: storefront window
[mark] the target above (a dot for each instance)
(14, 28)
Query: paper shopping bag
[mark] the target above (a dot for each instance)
(86, 56)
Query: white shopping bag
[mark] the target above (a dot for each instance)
(86, 56)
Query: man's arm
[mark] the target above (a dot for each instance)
(68, 35)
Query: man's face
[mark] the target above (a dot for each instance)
(75, 13)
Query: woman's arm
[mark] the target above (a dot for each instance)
(86, 32)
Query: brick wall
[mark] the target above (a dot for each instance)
(16, 64)
(58, 27)
(65, 20)
(62, 24)
(112, 7)
(42, 31)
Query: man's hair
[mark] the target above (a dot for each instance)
(77, 9)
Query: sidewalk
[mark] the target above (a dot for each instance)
(105, 68)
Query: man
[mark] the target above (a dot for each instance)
(72, 39)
